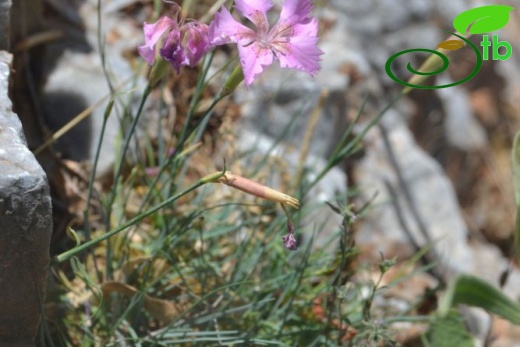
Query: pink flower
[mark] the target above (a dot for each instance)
(197, 42)
(172, 50)
(152, 34)
(292, 40)
(184, 45)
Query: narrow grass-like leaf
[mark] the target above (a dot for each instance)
(74, 236)
(473, 291)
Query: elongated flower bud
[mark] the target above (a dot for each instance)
(159, 70)
(232, 81)
(257, 189)
(261, 191)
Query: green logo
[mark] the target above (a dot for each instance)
(478, 20)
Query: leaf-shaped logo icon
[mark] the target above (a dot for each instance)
(451, 45)
(483, 19)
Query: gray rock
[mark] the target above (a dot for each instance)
(25, 227)
(76, 80)
(463, 130)
(395, 14)
(278, 95)
(64, 98)
(419, 8)
(448, 10)
(431, 190)
(341, 47)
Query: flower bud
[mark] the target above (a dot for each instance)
(197, 42)
(232, 81)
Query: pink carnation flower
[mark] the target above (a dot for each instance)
(184, 45)
(292, 40)
(152, 35)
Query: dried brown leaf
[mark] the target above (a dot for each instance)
(160, 309)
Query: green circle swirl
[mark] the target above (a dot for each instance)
(445, 64)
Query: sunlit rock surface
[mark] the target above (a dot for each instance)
(25, 226)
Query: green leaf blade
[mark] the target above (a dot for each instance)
(516, 167)
(473, 291)
(448, 331)
(515, 162)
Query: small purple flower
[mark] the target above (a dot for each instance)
(183, 45)
(172, 50)
(292, 40)
(289, 241)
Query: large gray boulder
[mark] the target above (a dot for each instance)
(25, 226)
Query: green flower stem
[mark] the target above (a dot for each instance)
(119, 170)
(70, 253)
(127, 141)
(86, 212)
(186, 131)
(517, 234)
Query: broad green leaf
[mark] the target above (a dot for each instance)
(473, 291)
(482, 19)
(517, 233)
(448, 331)
(516, 167)
(516, 180)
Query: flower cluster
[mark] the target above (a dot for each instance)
(183, 44)
(292, 40)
